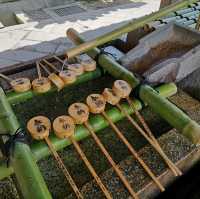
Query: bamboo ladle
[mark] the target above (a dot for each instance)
(41, 84)
(55, 79)
(39, 128)
(67, 76)
(88, 63)
(64, 127)
(19, 85)
(80, 113)
(76, 68)
(97, 103)
(122, 89)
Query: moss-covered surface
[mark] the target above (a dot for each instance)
(8, 189)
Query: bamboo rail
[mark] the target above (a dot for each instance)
(22, 160)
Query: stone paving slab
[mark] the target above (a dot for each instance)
(21, 55)
(10, 39)
(26, 42)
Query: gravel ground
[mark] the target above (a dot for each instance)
(8, 189)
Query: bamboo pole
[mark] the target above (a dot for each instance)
(40, 149)
(15, 98)
(22, 160)
(168, 111)
(165, 3)
(171, 113)
(132, 25)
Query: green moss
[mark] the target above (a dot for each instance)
(8, 189)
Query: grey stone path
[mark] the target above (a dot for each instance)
(34, 40)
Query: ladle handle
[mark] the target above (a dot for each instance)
(91, 169)
(131, 149)
(109, 158)
(38, 70)
(63, 168)
(150, 140)
(57, 58)
(60, 60)
(171, 165)
(5, 77)
(51, 65)
(46, 70)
